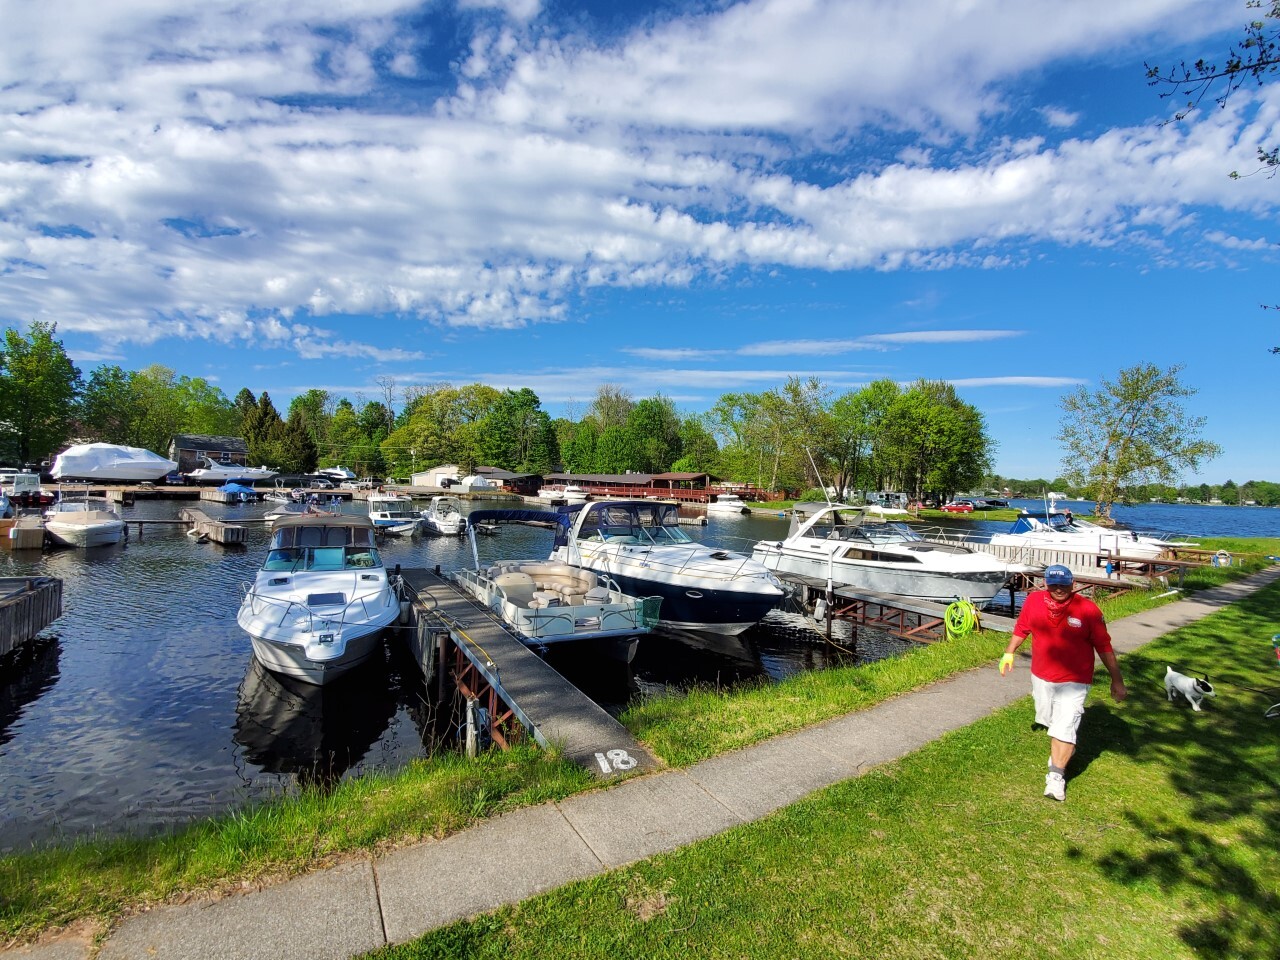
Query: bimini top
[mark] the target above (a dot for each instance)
(519, 516)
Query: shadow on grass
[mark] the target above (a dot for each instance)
(1223, 761)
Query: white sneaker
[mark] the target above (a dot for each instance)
(1055, 786)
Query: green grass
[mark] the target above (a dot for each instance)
(98, 879)
(1166, 847)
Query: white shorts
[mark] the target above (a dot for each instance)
(1059, 706)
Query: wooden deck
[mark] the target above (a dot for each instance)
(552, 710)
(27, 606)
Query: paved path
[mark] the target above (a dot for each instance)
(362, 905)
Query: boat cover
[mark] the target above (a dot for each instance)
(237, 486)
(93, 461)
(518, 516)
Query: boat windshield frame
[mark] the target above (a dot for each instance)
(322, 547)
(640, 522)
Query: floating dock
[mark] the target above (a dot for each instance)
(27, 606)
(219, 531)
(451, 632)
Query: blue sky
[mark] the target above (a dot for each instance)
(685, 198)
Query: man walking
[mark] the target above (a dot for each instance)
(1066, 629)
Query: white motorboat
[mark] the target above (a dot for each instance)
(392, 513)
(110, 461)
(220, 473)
(1061, 530)
(546, 603)
(639, 544)
(573, 493)
(83, 522)
(444, 517)
(318, 606)
(851, 547)
(336, 474)
(727, 505)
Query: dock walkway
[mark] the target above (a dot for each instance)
(552, 709)
(359, 906)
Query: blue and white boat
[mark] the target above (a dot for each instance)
(639, 544)
(392, 513)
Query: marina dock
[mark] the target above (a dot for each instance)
(514, 683)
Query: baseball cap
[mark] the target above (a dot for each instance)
(1057, 576)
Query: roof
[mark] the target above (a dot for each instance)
(199, 441)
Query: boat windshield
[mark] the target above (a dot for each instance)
(322, 548)
(656, 523)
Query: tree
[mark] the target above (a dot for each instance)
(294, 446)
(611, 407)
(106, 406)
(1133, 430)
(1255, 58)
(39, 387)
(655, 432)
(263, 431)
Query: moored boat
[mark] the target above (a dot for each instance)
(727, 505)
(545, 603)
(851, 547)
(317, 607)
(220, 473)
(392, 513)
(640, 545)
(83, 522)
(443, 517)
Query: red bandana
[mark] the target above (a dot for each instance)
(1057, 611)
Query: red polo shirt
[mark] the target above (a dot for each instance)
(1063, 652)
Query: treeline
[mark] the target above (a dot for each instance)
(921, 439)
(1261, 492)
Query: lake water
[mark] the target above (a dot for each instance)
(145, 707)
(1181, 519)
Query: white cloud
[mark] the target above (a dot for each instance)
(221, 185)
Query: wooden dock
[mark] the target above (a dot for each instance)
(488, 663)
(219, 531)
(27, 606)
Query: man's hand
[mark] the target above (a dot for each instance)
(1118, 690)
(1006, 664)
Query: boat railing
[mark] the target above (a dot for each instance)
(297, 614)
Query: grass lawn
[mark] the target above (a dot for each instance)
(1166, 847)
(98, 880)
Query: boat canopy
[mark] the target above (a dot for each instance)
(237, 486)
(1028, 522)
(519, 516)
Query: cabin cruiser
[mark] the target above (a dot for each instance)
(444, 517)
(336, 474)
(222, 472)
(1061, 530)
(851, 547)
(727, 505)
(392, 513)
(573, 493)
(318, 606)
(83, 522)
(639, 544)
(543, 602)
(109, 461)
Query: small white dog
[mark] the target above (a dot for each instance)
(1193, 688)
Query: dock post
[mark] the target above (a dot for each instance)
(473, 733)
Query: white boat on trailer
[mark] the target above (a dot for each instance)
(545, 603)
(319, 604)
(110, 462)
(641, 546)
(852, 547)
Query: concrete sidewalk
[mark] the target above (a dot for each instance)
(364, 904)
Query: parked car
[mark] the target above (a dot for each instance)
(174, 478)
(447, 482)
(957, 506)
(321, 484)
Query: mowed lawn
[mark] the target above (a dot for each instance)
(1166, 846)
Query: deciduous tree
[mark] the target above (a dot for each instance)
(1133, 430)
(39, 387)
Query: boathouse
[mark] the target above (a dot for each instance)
(190, 449)
(687, 487)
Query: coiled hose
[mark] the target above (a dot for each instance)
(961, 619)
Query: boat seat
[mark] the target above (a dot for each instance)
(597, 595)
(518, 587)
(545, 598)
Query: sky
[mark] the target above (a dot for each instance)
(677, 198)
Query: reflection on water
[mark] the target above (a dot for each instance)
(147, 712)
(24, 676)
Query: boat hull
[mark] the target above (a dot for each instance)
(938, 586)
(310, 661)
(84, 536)
(701, 608)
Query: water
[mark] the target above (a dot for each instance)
(1180, 519)
(144, 708)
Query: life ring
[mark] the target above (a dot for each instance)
(1222, 559)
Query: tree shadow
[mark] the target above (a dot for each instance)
(1213, 761)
